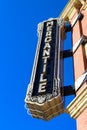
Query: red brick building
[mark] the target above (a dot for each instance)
(78, 107)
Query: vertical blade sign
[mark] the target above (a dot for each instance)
(44, 96)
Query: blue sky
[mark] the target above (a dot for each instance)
(18, 40)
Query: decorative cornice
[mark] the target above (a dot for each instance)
(78, 105)
(72, 7)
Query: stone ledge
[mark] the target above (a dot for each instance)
(78, 105)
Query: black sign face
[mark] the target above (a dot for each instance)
(47, 74)
(43, 83)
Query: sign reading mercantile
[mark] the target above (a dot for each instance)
(44, 96)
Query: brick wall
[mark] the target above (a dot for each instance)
(80, 62)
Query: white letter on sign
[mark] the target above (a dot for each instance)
(46, 53)
(42, 79)
(50, 23)
(42, 87)
(48, 39)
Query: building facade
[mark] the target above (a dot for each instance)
(75, 13)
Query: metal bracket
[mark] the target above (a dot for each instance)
(69, 90)
(81, 80)
(67, 53)
(69, 27)
(79, 17)
(82, 40)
